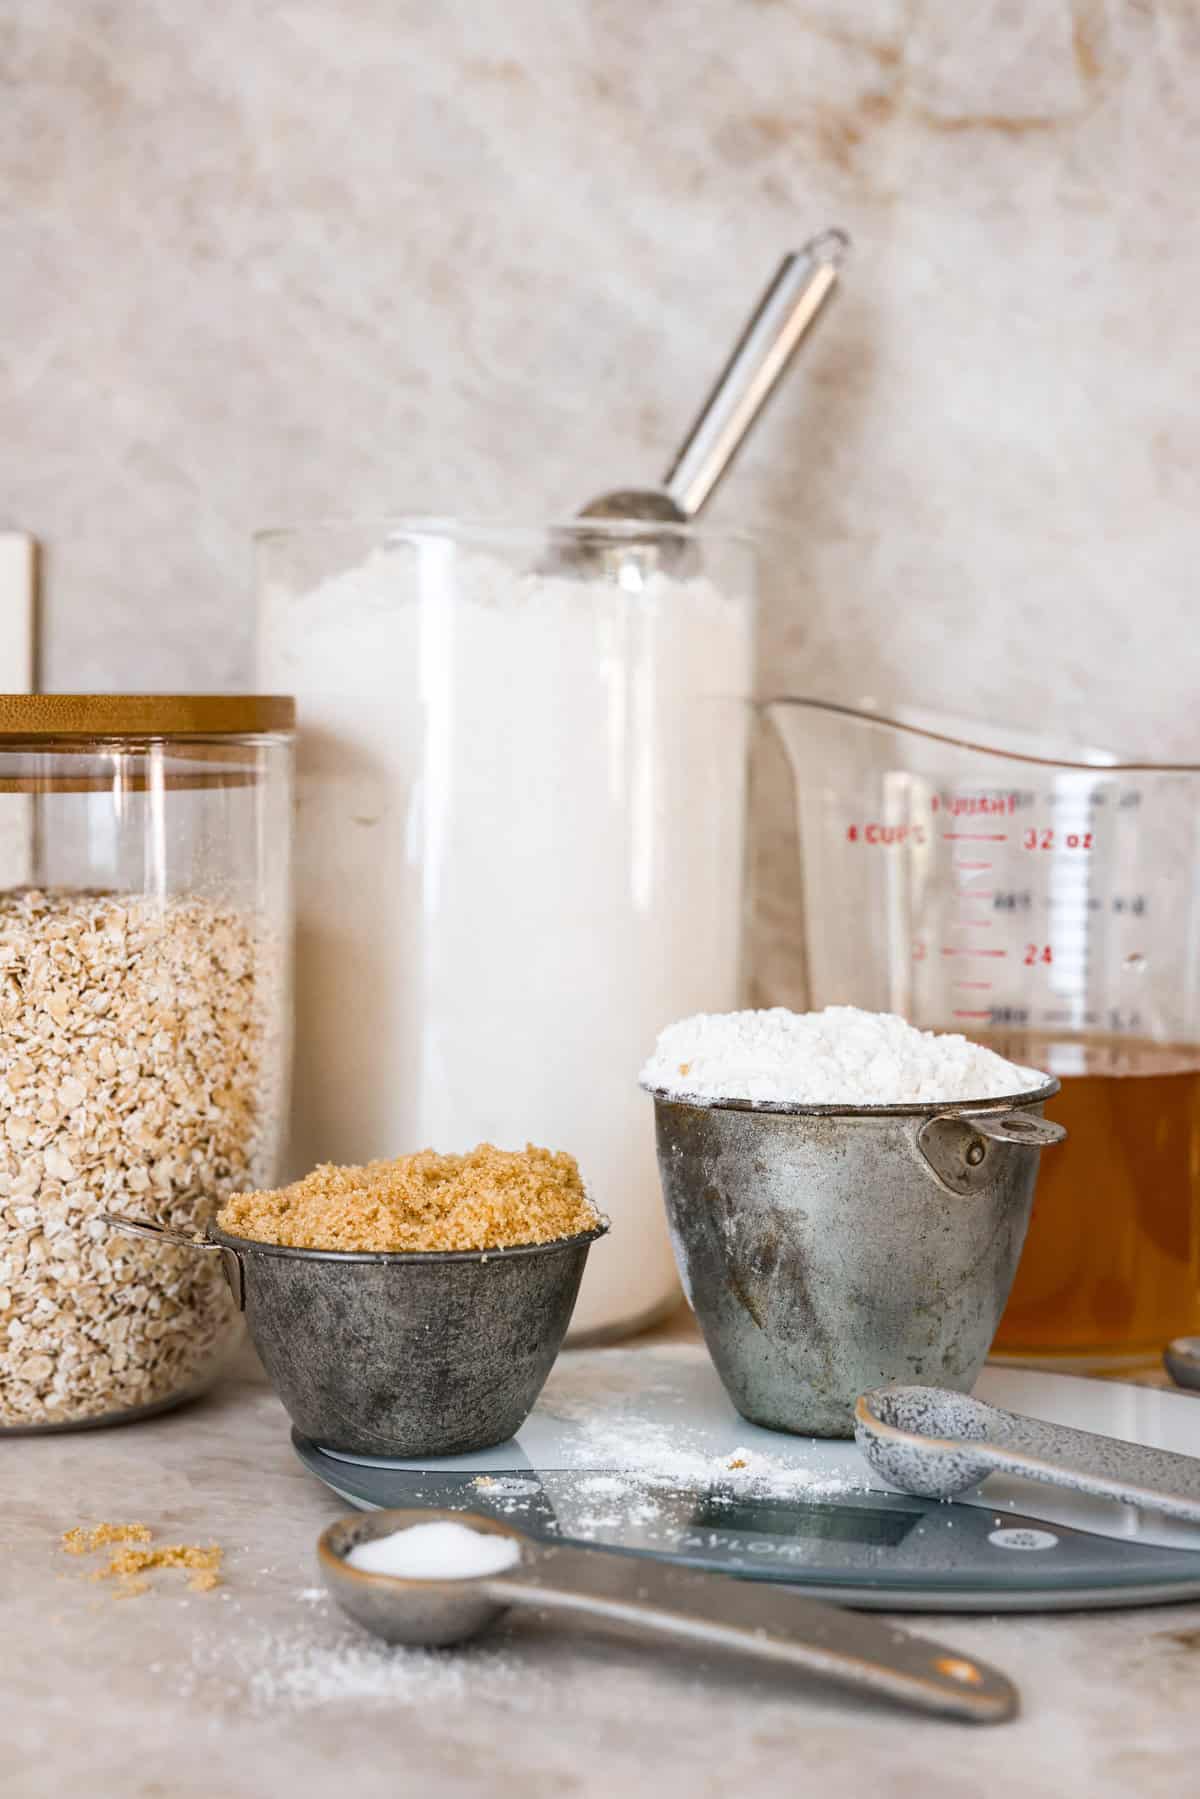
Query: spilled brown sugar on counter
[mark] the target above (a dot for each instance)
(131, 1557)
(82, 1541)
(202, 1560)
(488, 1199)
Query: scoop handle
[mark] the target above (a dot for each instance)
(800, 288)
(768, 1624)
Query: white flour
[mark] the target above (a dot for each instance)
(646, 1456)
(840, 1056)
(635, 1426)
(519, 853)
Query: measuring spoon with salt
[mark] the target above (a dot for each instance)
(646, 1597)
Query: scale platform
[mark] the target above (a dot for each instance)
(628, 1450)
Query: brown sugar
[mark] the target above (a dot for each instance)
(205, 1563)
(130, 1559)
(488, 1199)
(82, 1541)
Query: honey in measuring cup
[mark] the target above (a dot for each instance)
(1111, 1266)
(1042, 898)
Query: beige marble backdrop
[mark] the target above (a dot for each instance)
(266, 262)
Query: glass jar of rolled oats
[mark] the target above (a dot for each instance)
(145, 1021)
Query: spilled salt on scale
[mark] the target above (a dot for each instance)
(440, 1550)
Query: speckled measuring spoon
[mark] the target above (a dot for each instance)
(651, 1598)
(927, 1441)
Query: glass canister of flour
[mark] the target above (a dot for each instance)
(145, 940)
(521, 797)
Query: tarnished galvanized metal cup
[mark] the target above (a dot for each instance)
(401, 1354)
(827, 1250)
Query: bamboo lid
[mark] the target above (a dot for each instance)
(140, 715)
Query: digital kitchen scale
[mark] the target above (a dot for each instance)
(629, 1450)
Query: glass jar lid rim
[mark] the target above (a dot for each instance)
(61, 715)
(415, 527)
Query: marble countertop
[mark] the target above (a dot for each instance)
(259, 1688)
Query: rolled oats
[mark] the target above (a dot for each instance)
(141, 1070)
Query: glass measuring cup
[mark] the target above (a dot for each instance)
(1046, 904)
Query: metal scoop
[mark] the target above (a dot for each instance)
(799, 291)
(649, 1597)
(801, 288)
(927, 1441)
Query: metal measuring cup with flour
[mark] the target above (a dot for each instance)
(847, 1199)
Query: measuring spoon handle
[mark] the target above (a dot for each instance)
(750, 1618)
(1091, 1463)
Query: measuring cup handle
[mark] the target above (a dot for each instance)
(157, 1233)
(954, 1145)
(1015, 1127)
(231, 1262)
(750, 1618)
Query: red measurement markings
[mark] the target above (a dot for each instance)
(1047, 840)
(953, 950)
(968, 805)
(975, 836)
(960, 1014)
(884, 834)
(974, 864)
(1037, 952)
